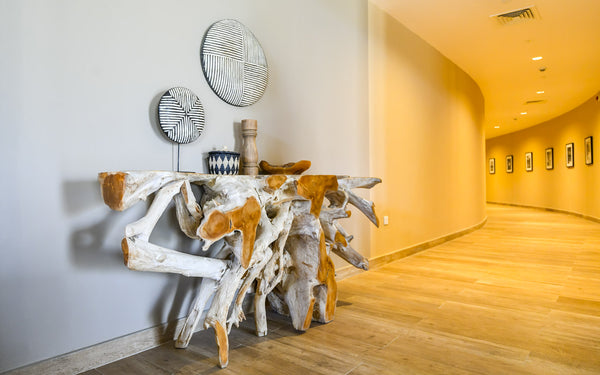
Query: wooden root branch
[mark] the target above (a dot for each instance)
(278, 232)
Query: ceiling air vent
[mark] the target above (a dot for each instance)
(519, 15)
(542, 101)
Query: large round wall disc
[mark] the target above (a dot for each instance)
(181, 115)
(234, 63)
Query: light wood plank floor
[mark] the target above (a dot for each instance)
(519, 296)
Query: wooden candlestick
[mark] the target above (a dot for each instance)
(249, 152)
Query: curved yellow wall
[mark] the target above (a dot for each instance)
(570, 189)
(426, 139)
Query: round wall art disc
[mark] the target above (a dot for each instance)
(234, 63)
(181, 115)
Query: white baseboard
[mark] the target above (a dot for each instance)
(382, 260)
(101, 354)
(561, 211)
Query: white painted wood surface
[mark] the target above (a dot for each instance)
(277, 236)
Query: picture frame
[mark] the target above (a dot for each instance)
(570, 155)
(549, 158)
(509, 164)
(492, 165)
(529, 161)
(589, 150)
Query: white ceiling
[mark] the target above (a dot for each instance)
(499, 57)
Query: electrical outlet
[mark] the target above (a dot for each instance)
(386, 220)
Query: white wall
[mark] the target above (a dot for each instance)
(427, 139)
(80, 81)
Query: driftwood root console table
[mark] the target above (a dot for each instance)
(277, 235)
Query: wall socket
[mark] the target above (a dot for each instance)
(386, 220)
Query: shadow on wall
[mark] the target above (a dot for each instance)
(238, 140)
(177, 294)
(174, 297)
(153, 117)
(95, 244)
(95, 230)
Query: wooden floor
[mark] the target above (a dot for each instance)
(520, 296)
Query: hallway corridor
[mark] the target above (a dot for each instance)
(519, 296)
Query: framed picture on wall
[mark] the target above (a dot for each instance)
(509, 164)
(492, 166)
(570, 154)
(589, 151)
(529, 161)
(550, 158)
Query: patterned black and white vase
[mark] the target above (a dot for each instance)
(223, 162)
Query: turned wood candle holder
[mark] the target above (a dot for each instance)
(249, 152)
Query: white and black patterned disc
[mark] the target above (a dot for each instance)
(181, 115)
(234, 63)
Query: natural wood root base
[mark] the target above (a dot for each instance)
(289, 168)
(277, 236)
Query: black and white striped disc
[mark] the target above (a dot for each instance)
(181, 115)
(234, 63)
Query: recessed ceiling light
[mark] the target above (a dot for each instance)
(537, 58)
(540, 92)
(523, 113)
(497, 127)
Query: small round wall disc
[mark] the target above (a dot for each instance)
(181, 115)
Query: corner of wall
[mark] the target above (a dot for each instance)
(572, 189)
(426, 138)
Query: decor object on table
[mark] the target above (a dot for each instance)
(509, 164)
(549, 158)
(529, 161)
(249, 151)
(289, 168)
(492, 166)
(276, 231)
(181, 115)
(570, 154)
(223, 162)
(589, 151)
(234, 63)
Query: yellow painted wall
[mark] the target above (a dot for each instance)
(571, 189)
(426, 139)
